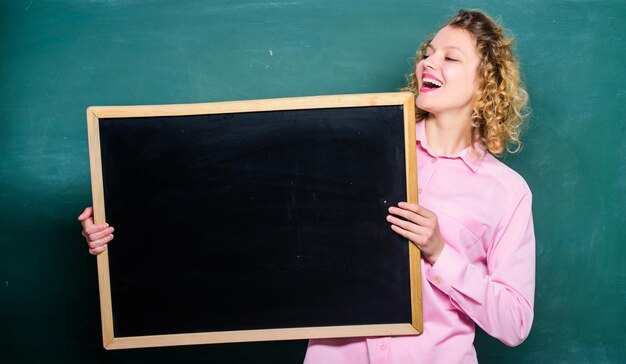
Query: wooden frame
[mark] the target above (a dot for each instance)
(110, 341)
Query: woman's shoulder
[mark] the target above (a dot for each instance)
(505, 176)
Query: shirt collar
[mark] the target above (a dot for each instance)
(471, 156)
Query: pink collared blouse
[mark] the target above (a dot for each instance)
(484, 275)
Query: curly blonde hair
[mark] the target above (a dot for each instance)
(499, 108)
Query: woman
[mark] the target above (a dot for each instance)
(474, 222)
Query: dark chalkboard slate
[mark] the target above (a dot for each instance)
(255, 220)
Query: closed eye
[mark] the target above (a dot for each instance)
(451, 59)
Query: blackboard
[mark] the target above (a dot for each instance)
(255, 220)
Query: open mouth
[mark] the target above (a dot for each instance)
(430, 84)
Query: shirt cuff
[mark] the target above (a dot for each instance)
(448, 267)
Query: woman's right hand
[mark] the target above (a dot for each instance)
(98, 236)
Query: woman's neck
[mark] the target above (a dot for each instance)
(447, 135)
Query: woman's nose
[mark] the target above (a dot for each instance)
(429, 63)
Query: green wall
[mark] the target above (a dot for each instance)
(58, 57)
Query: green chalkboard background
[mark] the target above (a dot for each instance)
(58, 57)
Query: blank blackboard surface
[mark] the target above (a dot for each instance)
(257, 220)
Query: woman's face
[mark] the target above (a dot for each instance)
(448, 74)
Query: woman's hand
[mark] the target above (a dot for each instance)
(97, 236)
(420, 226)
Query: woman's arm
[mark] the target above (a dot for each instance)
(499, 299)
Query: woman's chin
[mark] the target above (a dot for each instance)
(423, 106)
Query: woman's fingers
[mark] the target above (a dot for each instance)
(409, 235)
(97, 235)
(92, 228)
(86, 219)
(406, 234)
(418, 209)
(418, 225)
(101, 234)
(98, 250)
(95, 244)
(409, 215)
(85, 214)
(406, 225)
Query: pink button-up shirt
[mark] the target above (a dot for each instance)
(484, 275)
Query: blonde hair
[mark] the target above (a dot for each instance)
(499, 108)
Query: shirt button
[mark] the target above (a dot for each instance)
(383, 347)
(434, 160)
(437, 280)
(419, 191)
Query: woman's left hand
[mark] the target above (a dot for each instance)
(420, 226)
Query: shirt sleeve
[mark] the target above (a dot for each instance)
(501, 300)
